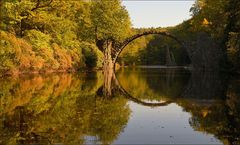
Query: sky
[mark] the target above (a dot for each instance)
(158, 13)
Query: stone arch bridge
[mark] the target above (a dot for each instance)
(112, 49)
(202, 50)
(123, 44)
(203, 53)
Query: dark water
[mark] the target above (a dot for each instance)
(163, 106)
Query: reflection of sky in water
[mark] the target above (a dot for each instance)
(69, 108)
(153, 101)
(165, 125)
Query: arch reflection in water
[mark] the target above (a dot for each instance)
(211, 102)
(71, 109)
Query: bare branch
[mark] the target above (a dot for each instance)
(38, 6)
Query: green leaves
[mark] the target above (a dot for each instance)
(108, 20)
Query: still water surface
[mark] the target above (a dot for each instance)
(163, 106)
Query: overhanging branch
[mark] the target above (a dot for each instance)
(38, 6)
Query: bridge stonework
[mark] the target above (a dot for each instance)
(203, 52)
(119, 46)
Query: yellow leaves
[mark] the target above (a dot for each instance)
(205, 22)
(37, 63)
(63, 57)
(35, 52)
(25, 62)
(201, 3)
(205, 113)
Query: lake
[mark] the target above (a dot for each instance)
(149, 106)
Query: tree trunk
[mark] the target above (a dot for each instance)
(170, 60)
(108, 70)
(108, 62)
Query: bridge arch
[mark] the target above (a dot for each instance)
(143, 103)
(136, 100)
(124, 43)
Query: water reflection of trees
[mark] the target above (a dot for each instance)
(59, 109)
(212, 100)
(221, 119)
(153, 84)
(205, 85)
(72, 109)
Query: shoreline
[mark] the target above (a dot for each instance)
(43, 72)
(163, 66)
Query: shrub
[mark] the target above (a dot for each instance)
(35, 52)
(38, 39)
(15, 53)
(93, 56)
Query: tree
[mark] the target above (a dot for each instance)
(231, 35)
(108, 22)
(48, 28)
